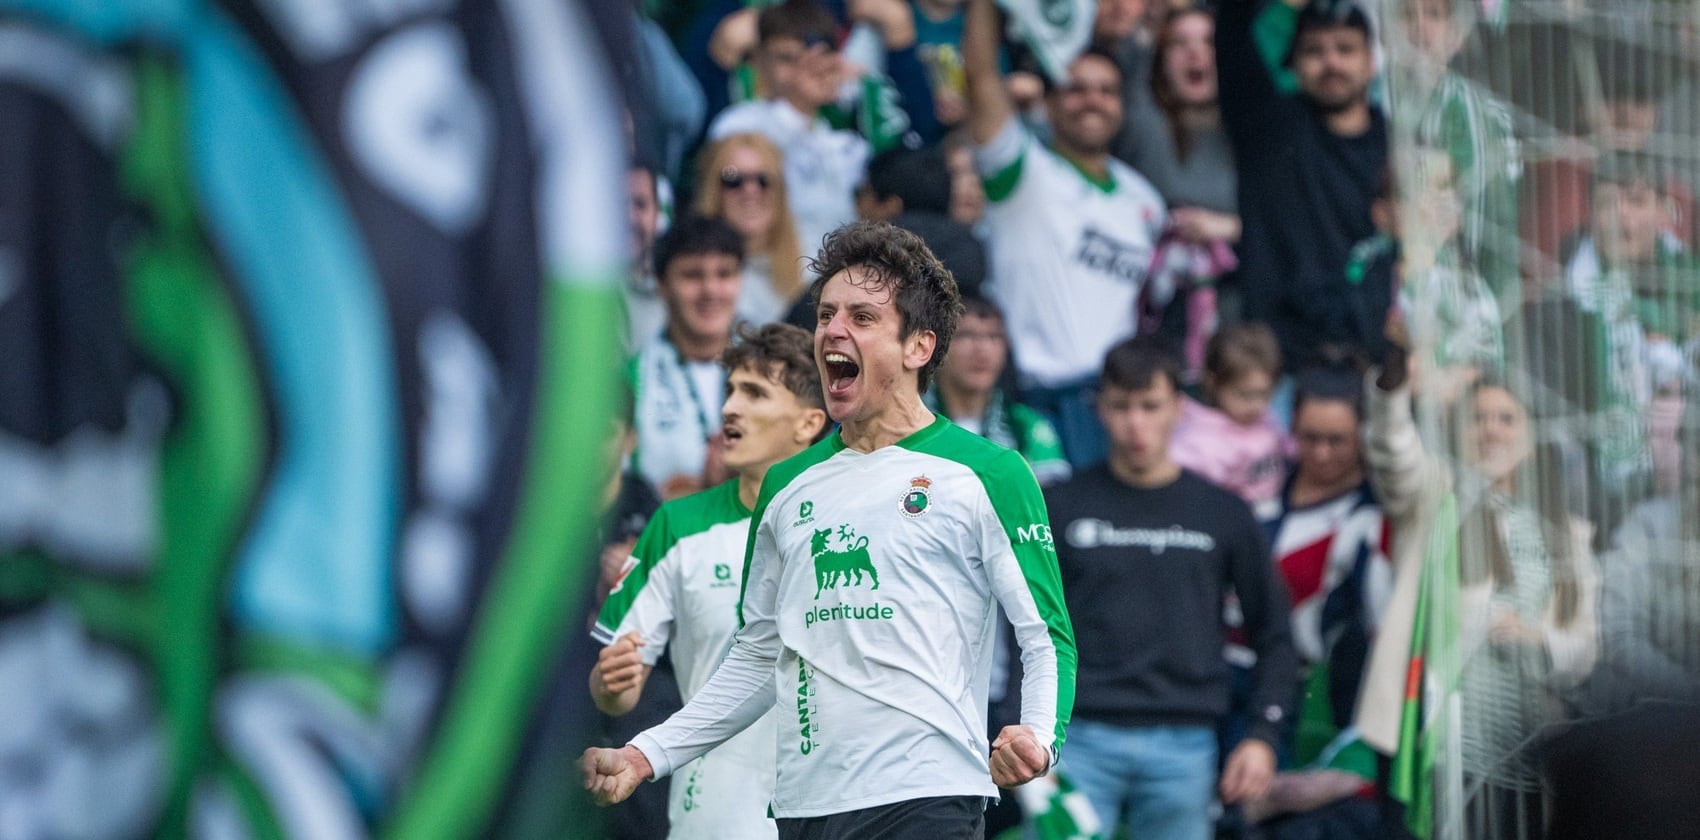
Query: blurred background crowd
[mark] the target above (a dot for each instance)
(347, 347)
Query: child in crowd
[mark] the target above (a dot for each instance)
(1234, 441)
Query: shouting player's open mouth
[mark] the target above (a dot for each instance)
(841, 372)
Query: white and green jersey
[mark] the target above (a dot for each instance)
(871, 587)
(1069, 255)
(680, 590)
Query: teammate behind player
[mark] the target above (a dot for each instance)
(680, 587)
(874, 559)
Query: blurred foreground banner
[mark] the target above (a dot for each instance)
(306, 356)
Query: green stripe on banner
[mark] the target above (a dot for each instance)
(538, 582)
(1432, 675)
(212, 460)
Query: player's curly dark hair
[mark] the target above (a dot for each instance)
(893, 258)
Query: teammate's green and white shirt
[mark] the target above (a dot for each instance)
(1068, 254)
(680, 590)
(868, 611)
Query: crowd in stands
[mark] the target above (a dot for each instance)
(1259, 350)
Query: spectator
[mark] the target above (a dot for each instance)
(967, 194)
(1121, 29)
(1527, 595)
(904, 180)
(675, 380)
(1632, 87)
(1147, 551)
(1329, 541)
(1234, 441)
(1527, 586)
(645, 313)
(1309, 166)
(938, 42)
(675, 108)
(1648, 619)
(1461, 315)
(1070, 230)
(1629, 227)
(799, 64)
(741, 181)
(1629, 272)
(967, 391)
(1173, 135)
(1473, 128)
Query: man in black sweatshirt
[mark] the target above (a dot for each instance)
(1147, 552)
(1310, 165)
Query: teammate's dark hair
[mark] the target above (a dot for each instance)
(695, 235)
(893, 258)
(1135, 364)
(784, 354)
(805, 20)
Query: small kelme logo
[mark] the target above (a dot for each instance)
(916, 499)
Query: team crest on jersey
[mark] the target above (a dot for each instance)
(918, 498)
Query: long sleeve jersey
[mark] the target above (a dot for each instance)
(868, 616)
(680, 590)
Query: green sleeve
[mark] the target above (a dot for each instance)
(657, 539)
(1273, 30)
(1020, 510)
(1001, 183)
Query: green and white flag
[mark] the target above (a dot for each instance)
(1056, 30)
(1056, 810)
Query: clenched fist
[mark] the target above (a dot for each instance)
(620, 665)
(1017, 757)
(612, 775)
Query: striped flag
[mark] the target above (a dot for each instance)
(1430, 711)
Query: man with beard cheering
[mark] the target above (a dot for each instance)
(1310, 165)
(1070, 229)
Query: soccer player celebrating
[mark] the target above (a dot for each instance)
(867, 607)
(680, 587)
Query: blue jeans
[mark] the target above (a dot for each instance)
(1073, 410)
(1160, 780)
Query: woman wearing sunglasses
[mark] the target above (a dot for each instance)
(742, 181)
